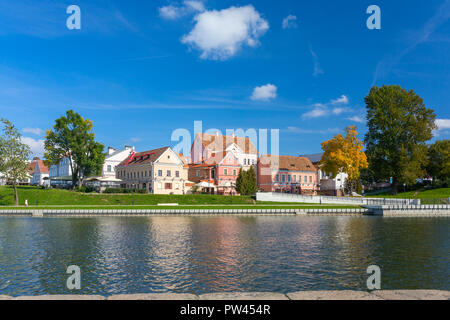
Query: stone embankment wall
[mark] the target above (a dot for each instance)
(301, 295)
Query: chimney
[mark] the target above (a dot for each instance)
(111, 150)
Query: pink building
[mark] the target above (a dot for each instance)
(287, 174)
(220, 170)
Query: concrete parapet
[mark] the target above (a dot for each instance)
(243, 296)
(154, 296)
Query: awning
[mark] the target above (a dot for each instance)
(205, 184)
(104, 179)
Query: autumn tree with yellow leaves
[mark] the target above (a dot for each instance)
(344, 155)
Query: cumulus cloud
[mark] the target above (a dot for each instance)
(220, 34)
(36, 146)
(36, 131)
(289, 22)
(443, 124)
(265, 93)
(172, 12)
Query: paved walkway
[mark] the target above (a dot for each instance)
(301, 295)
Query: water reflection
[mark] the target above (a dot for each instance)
(209, 254)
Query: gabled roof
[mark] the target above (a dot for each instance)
(37, 163)
(143, 157)
(314, 158)
(287, 163)
(220, 142)
(215, 159)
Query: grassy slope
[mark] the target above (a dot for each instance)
(65, 197)
(427, 194)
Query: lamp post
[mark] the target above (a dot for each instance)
(231, 193)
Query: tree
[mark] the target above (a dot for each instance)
(399, 124)
(14, 156)
(72, 138)
(439, 160)
(246, 182)
(241, 184)
(344, 155)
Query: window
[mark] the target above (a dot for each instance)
(169, 173)
(283, 178)
(197, 173)
(225, 172)
(177, 174)
(109, 168)
(213, 174)
(277, 178)
(310, 179)
(294, 178)
(245, 162)
(289, 178)
(159, 173)
(168, 186)
(234, 172)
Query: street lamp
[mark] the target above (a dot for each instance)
(231, 193)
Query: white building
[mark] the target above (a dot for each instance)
(328, 186)
(39, 173)
(61, 174)
(113, 159)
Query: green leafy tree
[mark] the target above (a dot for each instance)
(14, 156)
(399, 125)
(72, 137)
(439, 160)
(241, 183)
(246, 182)
(251, 179)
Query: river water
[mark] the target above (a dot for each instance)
(217, 254)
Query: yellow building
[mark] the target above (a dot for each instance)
(159, 171)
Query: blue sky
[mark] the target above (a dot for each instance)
(141, 69)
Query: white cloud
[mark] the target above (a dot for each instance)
(169, 12)
(443, 124)
(219, 35)
(265, 93)
(195, 5)
(318, 111)
(339, 110)
(36, 146)
(172, 12)
(341, 100)
(289, 22)
(357, 119)
(325, 109)
(36, 131)
(309, 131)
(317, 69)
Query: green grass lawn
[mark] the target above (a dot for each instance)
(65, 199)
(427, 196)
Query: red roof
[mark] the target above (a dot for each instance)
(37, 163)
(143, 157)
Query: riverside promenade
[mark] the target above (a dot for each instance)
(243, 296)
